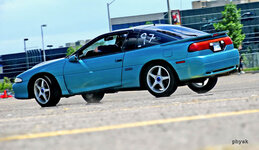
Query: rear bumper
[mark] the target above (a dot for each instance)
(211, 64)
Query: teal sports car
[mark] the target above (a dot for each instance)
(157, 58)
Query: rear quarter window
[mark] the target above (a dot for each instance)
(150, 38)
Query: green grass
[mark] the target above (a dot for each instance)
(252, 69)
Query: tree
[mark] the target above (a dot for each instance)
(71, 50)
(148, 22)
(6, 84)
(231, 22)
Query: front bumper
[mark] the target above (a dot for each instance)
(21, 90)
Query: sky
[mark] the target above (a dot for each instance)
(66, 20)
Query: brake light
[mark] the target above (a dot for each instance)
(228, 41)
(206, 44)
(198, 46)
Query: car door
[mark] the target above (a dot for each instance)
(99, 66)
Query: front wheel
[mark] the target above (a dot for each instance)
(93, 97)
(46, 92)
(159, 80)
(204, 85)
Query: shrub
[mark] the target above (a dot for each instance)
(6, 84)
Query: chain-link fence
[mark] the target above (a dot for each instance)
(251, 60)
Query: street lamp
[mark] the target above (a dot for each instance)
(49, 46)
(169, 13)
(109, 19)
(44, 55)
(246, 13)
(27, 62)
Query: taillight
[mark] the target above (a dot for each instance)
(207, 44)
(199, 46)
(228, 41)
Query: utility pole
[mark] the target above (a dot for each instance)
(27, 61)
(169, 13)
(44, 55)
(109, 18)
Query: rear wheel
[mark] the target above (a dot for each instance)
(46, 92)
(93, 97)
(159, 80)
(204, 85)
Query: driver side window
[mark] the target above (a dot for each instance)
(106, 45)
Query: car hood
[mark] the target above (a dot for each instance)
(47, 63)
(54, 67)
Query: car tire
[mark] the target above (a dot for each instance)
(203, 87)
(159, 80)
(93, 97)
(46, 91)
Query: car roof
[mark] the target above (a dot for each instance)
(152, 27)
(159, 27)
(165, 27)
(172, 28)
(146, 27)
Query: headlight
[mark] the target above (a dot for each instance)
(18, 80)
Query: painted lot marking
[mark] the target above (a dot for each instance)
(127, 125)
(131, 108)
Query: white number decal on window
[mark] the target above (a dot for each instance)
(144, 37)
(152, 37)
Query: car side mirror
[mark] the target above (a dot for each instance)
(73, 58)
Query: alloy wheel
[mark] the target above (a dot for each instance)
(158, 79)
(42, 90)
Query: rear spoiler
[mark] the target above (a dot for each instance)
(197, 38)
(219, 33)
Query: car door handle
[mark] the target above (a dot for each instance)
(118, 60)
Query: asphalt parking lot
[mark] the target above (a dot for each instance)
(225, 118)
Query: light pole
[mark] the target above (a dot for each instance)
(169, 13)
(109, 19)
(27, 62)
(44, 55)
(49, 46)
(246, 13)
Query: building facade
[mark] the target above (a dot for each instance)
(13, 64)
(216, 3)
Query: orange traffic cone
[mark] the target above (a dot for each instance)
(5, 95)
